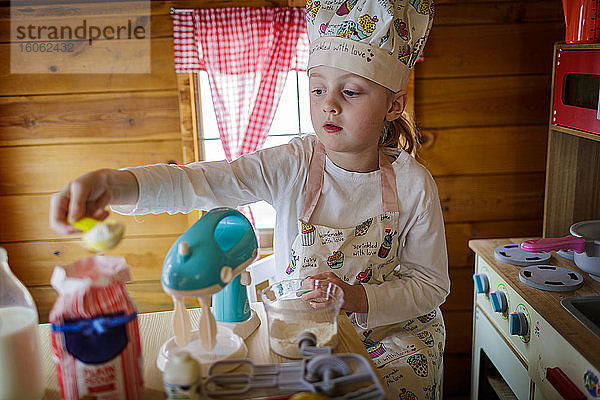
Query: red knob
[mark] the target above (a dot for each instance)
(563, 385)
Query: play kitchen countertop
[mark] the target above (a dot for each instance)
(547, 303)
(156, 328)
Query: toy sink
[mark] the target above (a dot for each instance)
(585, 309)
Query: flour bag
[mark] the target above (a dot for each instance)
(95, 334)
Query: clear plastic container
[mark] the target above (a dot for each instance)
(20, 359)
(288, 314)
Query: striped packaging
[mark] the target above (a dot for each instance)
(95, 335)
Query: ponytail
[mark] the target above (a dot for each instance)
(401, 132)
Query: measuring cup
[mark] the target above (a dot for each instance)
(288, 315)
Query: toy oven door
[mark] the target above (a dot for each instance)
(577, 90)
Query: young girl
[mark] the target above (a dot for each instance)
(352, 207)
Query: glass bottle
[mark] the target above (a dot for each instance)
(20, 358)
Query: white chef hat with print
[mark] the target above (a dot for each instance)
(377, 39)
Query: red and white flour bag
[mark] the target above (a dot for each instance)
(95, 334)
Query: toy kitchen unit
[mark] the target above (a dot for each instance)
(536, 319)
(526, 344)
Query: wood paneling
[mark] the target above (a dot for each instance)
(482, 101)
(162, 76)
(459, 234)
(496, 12)
(65, 162)
(458, 331)
(89, 118)
(484, 150)
(25, 218)
(444, 56)
(573, 183)
(457, 372)
(33, 262)
(491, 197)
(148, 297)
(56, 14)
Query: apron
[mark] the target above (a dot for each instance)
(408, 354)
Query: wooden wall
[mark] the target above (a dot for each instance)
(482, 102)
(54, 127)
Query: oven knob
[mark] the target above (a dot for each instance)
(499, 302)
(518, 324)
(482, 285)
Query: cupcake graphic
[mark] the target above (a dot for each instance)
(308, 234)
(362, 229)
(418, 362)
(376, 351)
(335, 260)
(427, 317)
(425, 337)
(365, 275)
(407, 395)
(293, 262)
(384, 250)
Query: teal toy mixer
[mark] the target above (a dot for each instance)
(209, 261)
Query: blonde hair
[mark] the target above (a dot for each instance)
(403, 133)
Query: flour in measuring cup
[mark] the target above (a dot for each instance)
(284, 336)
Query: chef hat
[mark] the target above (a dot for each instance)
(376, 39)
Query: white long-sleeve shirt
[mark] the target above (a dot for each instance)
(278, 175)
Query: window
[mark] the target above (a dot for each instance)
(292, 118)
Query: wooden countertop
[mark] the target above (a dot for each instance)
(156, 328)
(547, 303)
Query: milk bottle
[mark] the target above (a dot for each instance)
(20, 360)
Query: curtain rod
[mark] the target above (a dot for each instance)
(181, 10)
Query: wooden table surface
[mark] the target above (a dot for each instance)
(156, 328)
(547, 303)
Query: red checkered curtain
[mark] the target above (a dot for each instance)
(247, 53)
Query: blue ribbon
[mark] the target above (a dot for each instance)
(96, 326)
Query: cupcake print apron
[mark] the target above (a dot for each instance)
(408, 354)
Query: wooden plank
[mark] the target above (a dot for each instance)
(461, 290)
(491, 197)
(25, 218)
(457, 375)
(33, 262)
(461, 12)
(459, 234)
(160, 23)
(44, 169)
(458, 330)
(112, 57)
(573, 179)
(88, 118)
(484, 150)
(497, 100)
(162, 76)
(148, 297)
(485, 50)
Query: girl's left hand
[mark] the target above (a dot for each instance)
(355, 297)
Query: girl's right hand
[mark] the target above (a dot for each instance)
(89, 195)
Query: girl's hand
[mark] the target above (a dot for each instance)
(355, 297)
(89, 195)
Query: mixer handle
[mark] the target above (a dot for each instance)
(237, 230)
